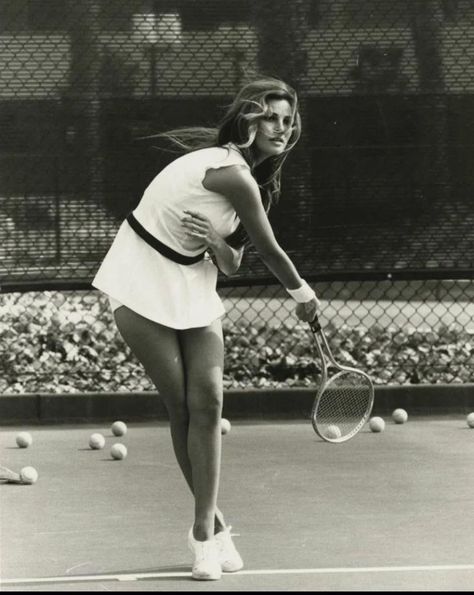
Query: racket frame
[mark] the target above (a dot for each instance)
(9, 476)
(320, 341)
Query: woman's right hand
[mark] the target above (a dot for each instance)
(306, 311)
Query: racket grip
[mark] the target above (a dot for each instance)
(315, 325)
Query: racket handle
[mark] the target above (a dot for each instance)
(9, 475)
(315, 324)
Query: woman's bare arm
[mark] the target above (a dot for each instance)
(199, 226)
(237, 184)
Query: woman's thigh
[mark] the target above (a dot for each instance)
(157, 348)
(203, 360)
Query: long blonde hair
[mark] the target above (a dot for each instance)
(239, 126)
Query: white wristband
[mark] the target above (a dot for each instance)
(302, 294)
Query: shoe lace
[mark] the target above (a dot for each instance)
(203, 550)
(225, 542)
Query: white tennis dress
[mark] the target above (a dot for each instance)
(135, 275)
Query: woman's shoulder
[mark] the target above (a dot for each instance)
(225, 154)
(230, 177)
(224, 163)
(229, 154)
(235, 152)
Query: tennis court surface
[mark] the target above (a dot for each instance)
(384, 511)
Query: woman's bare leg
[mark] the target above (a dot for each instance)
(158, 349)
(203, 357)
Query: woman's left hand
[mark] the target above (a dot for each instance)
(199, 226)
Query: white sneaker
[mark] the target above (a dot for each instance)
(229, 557)
(206, 565)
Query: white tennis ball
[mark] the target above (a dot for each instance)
(24, 439)
(376, 424)
(399, 416)
(225, 426)
(29, 475)
(119, 451)
(333, 432)
(470, 420)
(119, 428)
(96, 441)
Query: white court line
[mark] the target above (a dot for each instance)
(76, 566)
(160, 575)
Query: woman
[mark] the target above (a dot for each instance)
(161, 281)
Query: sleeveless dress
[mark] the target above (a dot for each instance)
(135, 275)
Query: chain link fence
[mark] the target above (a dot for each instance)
(376, 207)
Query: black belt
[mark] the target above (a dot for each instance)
(159, 246)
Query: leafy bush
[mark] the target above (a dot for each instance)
(67, 342)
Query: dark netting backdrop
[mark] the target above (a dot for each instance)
(377, 198)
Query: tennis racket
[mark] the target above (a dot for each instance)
(344, 399)
(9, 476)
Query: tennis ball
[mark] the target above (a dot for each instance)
(96, 441)
(333, 432)
(225, 426)
(24, 439)
(470, 420)
(29, 475)
(376, 424)
(119, 428)
(399, 416)
(118, 451)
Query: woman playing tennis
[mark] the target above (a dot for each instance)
(161, 282)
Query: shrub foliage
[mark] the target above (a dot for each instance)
(56, 342)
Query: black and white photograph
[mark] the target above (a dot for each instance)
(236, 295)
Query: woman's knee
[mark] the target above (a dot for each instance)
(205, 402)
(176, 407)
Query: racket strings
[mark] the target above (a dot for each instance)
(343, 405)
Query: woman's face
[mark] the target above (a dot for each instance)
(274, 130)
